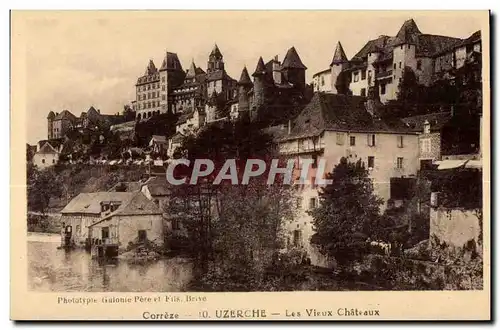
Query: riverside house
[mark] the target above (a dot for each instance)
(111, 220)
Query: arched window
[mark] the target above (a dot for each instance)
(149, 113)
(139, 117)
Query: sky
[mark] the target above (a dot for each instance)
(75, 60)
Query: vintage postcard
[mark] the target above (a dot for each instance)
(250, 165)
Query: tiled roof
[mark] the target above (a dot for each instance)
(339, 55)
(65, 114)
(191, 73)
(151, 68)
(245, 78)
(159, 138)
(91, 202)
(51, 115)
(292, 60)
(47, 148)
(436, 120)
(408, 33)
(216, 52)
(171, 62)
(328, 111)
(218, 75)
(260, 68)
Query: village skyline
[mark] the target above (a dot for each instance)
(88, 69)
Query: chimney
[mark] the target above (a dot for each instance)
(289, 126)
(99, 111)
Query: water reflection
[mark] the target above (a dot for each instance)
(50, 269)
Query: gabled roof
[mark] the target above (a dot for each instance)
(245, 78)
(292, 60)
(339, 55)
(328, 111)
(91, 202)
(260, 69)
(437, 120)
(65, 114)
(47, 148)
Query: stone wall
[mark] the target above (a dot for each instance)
(454, 227)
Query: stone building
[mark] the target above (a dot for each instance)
(380, 63)
(277, 88)
(333, 126)
(154, 89)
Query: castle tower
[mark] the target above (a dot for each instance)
(215, 60)
(339, 64)
(171, 76)
(294, 71)
(259, 83)
(50, 119)
(244, 86)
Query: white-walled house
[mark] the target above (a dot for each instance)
(46, 155)
(333, 126)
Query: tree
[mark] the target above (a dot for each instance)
(347, 212)
(42, 185)
(128, 113)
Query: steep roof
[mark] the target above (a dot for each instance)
(65, 114)
(216, 52)
(171, 62)
(408, 33)
(260, 69)
(328, 111)
(47, 148)
(218, 75)
(339, 55)
(151, 68)
(191, 73)
(51, 115)
(244, 78)
(436, 120)
(292, 60)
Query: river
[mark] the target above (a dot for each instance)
(50, 269)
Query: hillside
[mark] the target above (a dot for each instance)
(75, 179)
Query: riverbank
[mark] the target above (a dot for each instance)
(49, 223)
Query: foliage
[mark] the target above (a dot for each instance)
(348, 211)
(42, 185)
(234, 228)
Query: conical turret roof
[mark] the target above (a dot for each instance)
(292, 60)
(339, 55)
(51, 115)
(408, 33)
(245, 78)
(191, 71)
(260, 69)
(216, 51)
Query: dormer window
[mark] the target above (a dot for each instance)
(427, 127)
(104, 206)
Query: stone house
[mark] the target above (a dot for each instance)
(47, 154)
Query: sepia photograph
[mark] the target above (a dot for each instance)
(246, 151)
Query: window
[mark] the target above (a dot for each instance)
(371, 140)
(315, 161)
(427, 127)
(363, 74)
(299, 201)
(163, 80)
(322, 81)
(53, 161)
(371, 161)
(400, 65)
(394, 66)
(363, 91)
(142, 235)
(175, 224)
(400, 141)
(296, 237)
(312, 203)
(163, 97)
(399, 162)
(163, 87)
(43, 161)
(352, 140)
(340, 138)
(382, 89)
(419, 65)
(401, 46)
(355, 76)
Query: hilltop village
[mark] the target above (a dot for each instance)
(407, 105)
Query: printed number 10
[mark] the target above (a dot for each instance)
(204, 314)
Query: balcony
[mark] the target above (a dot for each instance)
(383, 74)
